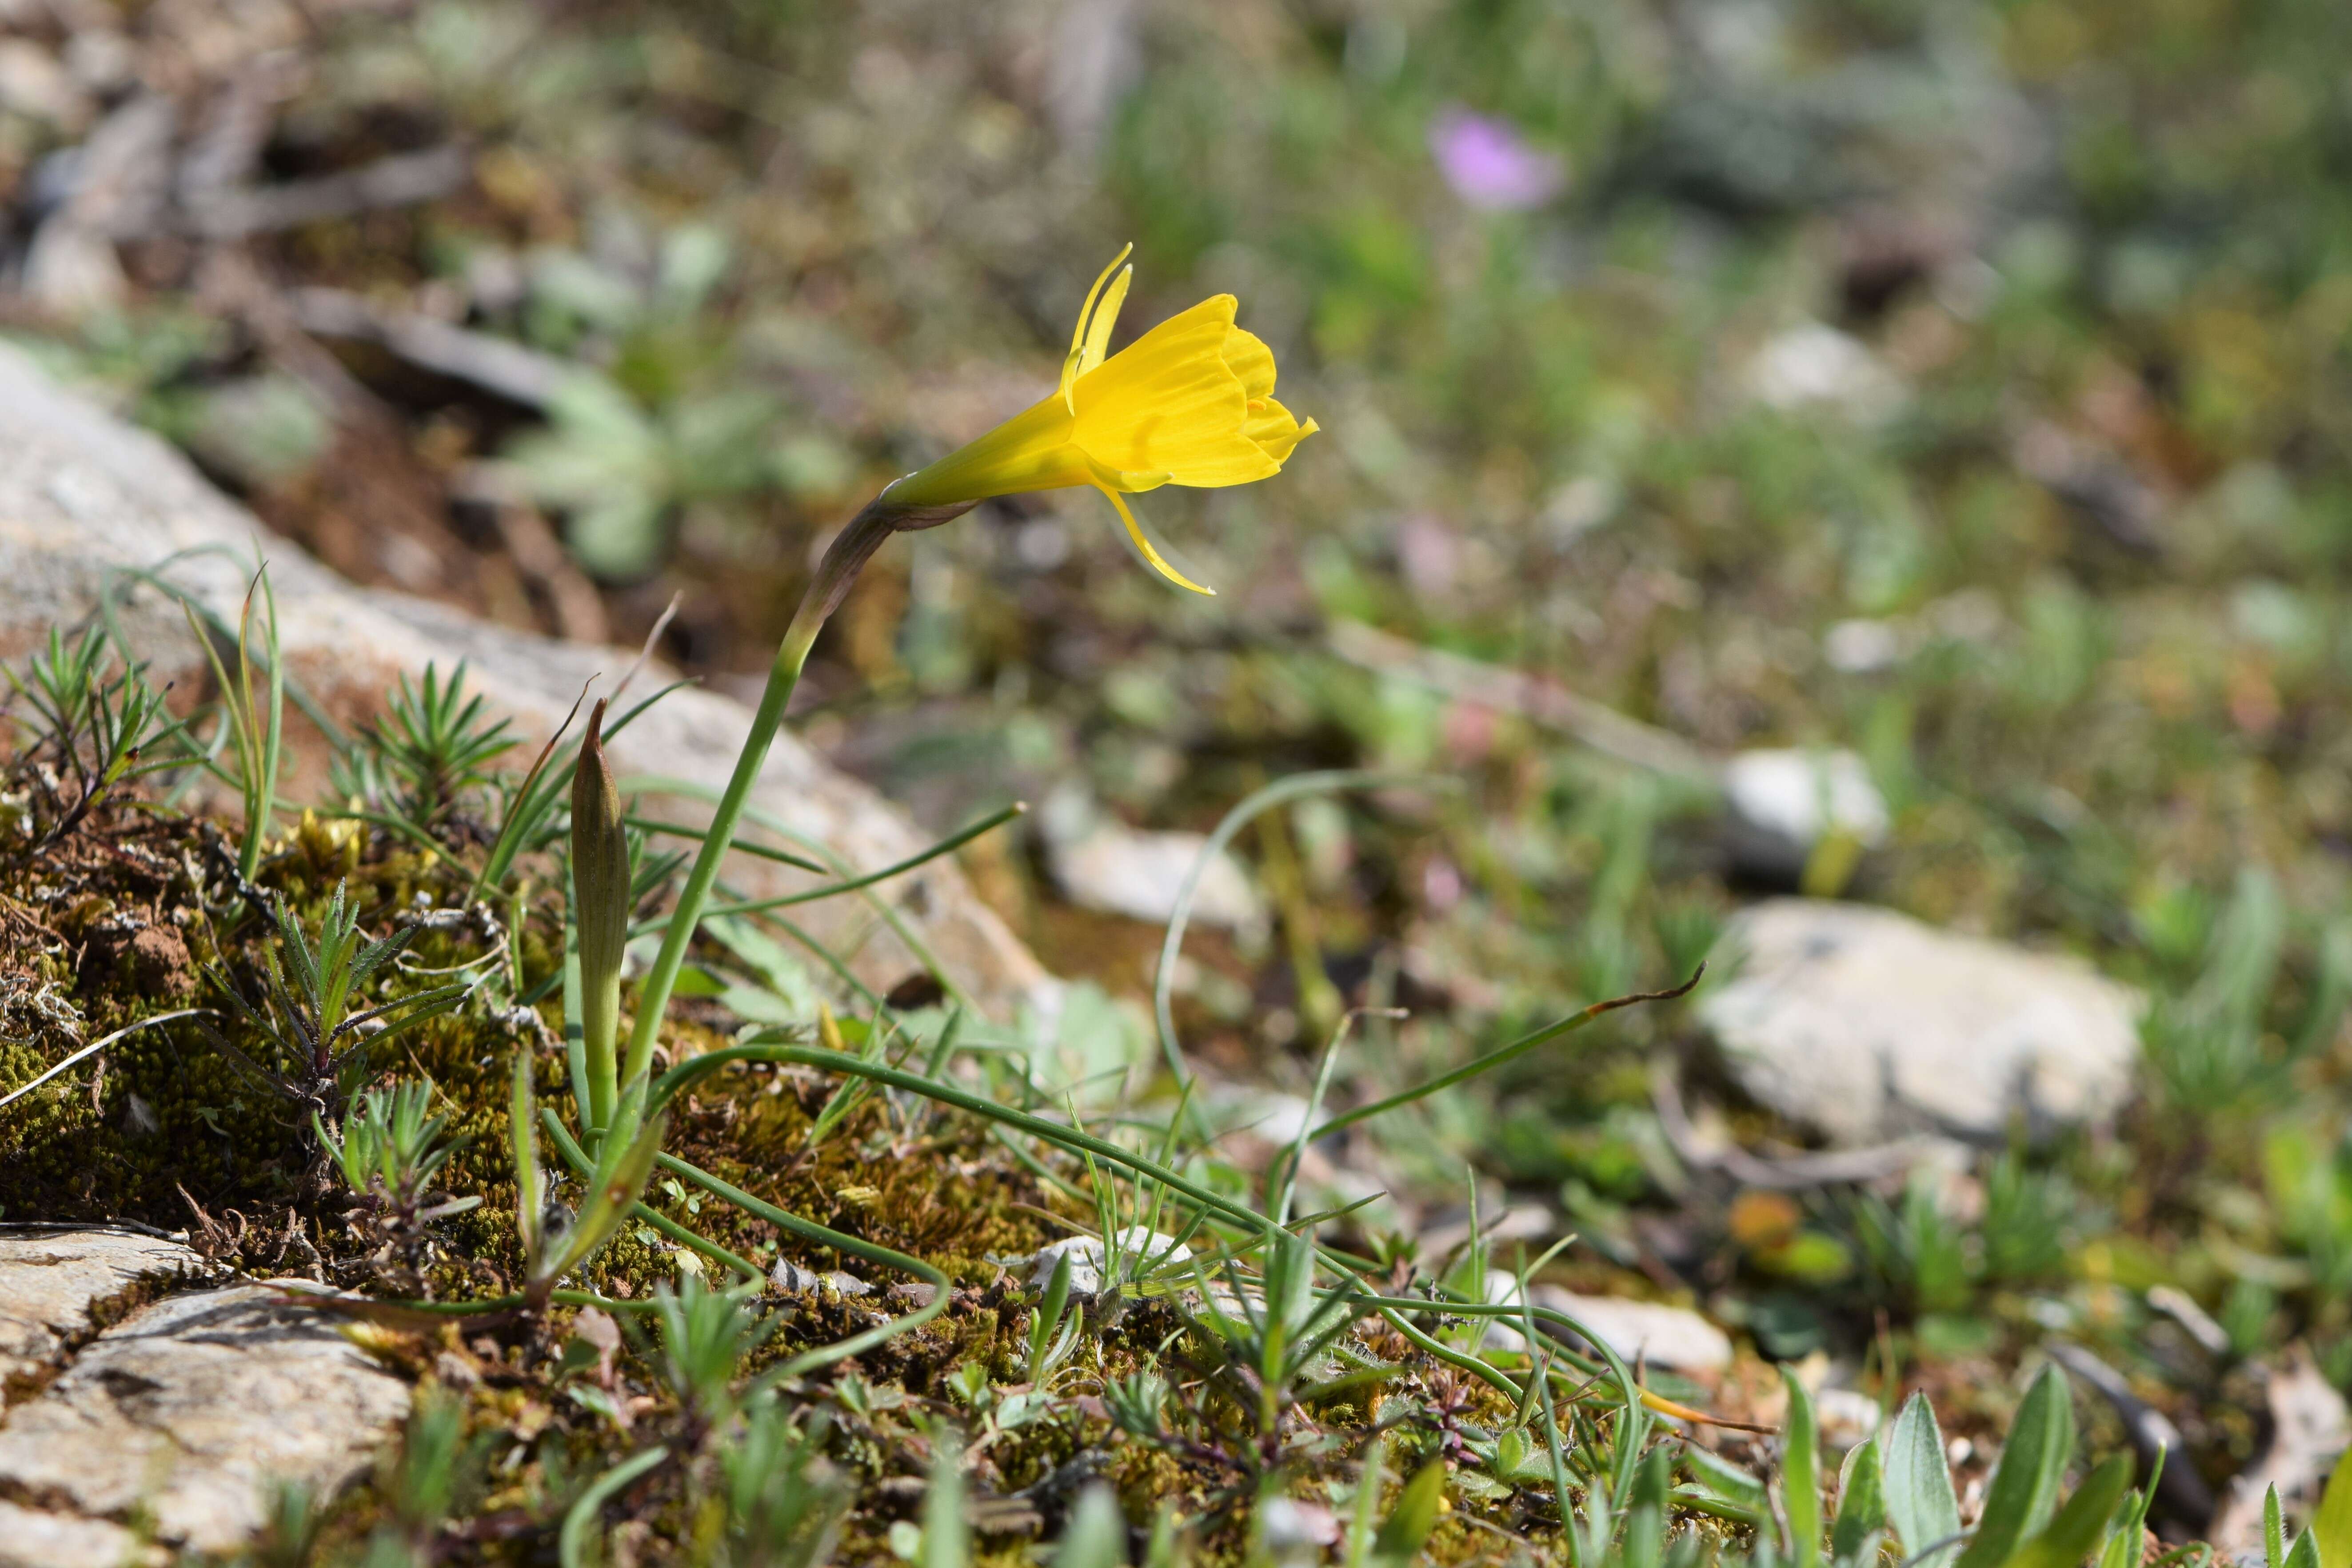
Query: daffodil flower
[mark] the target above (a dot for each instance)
(1189, 402)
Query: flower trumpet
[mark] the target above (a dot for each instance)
(1189, 402)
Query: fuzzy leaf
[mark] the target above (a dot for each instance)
(2024, 1486)
(1861, 1507)
(2076, 1529)
(1408, 1525)
(1918, 1485)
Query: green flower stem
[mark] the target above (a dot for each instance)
(844, 559)
(577, 1158)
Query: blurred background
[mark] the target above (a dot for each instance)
(1953, 399)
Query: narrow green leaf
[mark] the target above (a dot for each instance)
(1800, 1480)
(1721, 1478)
(1097, 1537)
(1861, 1507)
(2078, 1526)
(525, 1136)
(947, 1536)
(619, 1182)
(2305, 1552)
(1919, 1484)
(2331, 1526)
(2024, 1491)
(1407, 1527)
(2274, 1531)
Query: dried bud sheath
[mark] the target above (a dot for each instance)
(600, 891)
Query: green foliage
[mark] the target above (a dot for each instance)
(391, 1145)
(430, 753)
(2023, 1490)
(93, 715)
(624, 1164)
(255, 725)
(1053, 1328)
(316, 1022)
(783, 1502)
(706, 1335)
(1800, 1486)
(1920, 1502)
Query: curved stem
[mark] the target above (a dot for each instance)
(652, 992)
(582, 1513)
(577, 1158)
(848, 553)
(809, 1230)
(1496, 1058)
(1244, 811)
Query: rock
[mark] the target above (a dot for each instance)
(31, 1539)
(1123, 870)
(1868, 1025)
(1136, 1244)
(189, 1410)
(50, 1280)
(1815, 366)
(1784, 801)
(84, 499)
(795, 1280)
(1672, 1337)
(1847, 1415)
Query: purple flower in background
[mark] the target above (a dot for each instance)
(1490, 165)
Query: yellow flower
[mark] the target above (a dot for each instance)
(1189, 402)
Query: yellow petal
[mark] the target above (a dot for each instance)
(1274, 428)
(1169, 403)
(1150, 552)
(1246, 355)
(1030, 451)
(1105, 318)
(1071, 366)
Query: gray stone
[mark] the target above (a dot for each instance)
(86, 499)
(32, 1538)
(1869, 1025)
(1815, 366)
(794, 1280)
(1783, 801)
(1101, 863)
(1649, 1332)
(191, 1408)
(49, 1280)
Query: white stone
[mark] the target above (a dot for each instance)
(1123, 870)
(191, 1408)
(49, 1280)
(793, 1279)
(1813, 365)
(1869, 1025)
(30, 1538)
(1863, 646)
(1649, 1332)
(1847, 1415)
(1138, 1245)
(1797, 797)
